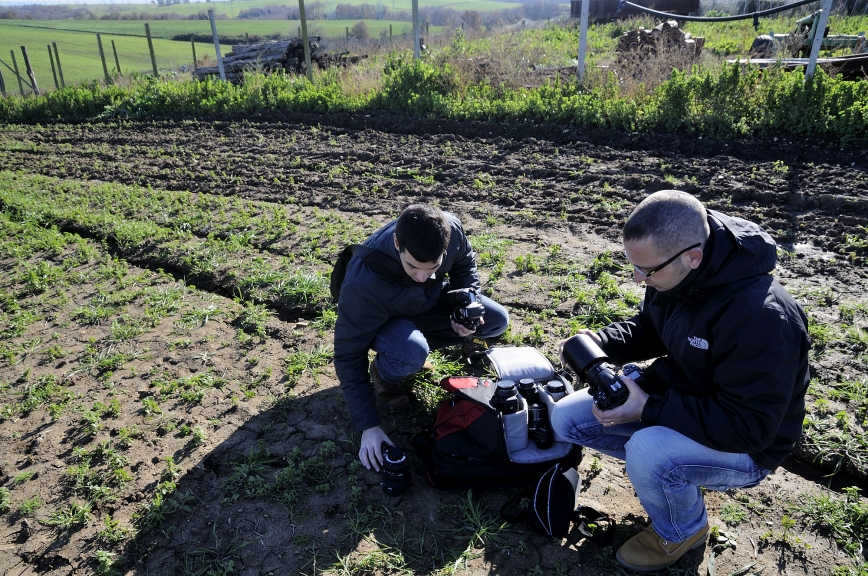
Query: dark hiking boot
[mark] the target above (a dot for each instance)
(388, 395)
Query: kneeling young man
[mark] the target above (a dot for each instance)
(723, 404)
(403, 315)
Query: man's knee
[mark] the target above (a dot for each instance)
(645, 455)
(406, 357)
(496, 319)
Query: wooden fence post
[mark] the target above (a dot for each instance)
(216, 45)
(30, 73)
(17, 73)
(53, 71)
(348, 34)
(108, 79)
(390, 31)
(117, 62)
(304, 40)
(59, 69)
(2, 85)
(151, 49)
(193, 45)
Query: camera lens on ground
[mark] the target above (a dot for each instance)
(396, 471)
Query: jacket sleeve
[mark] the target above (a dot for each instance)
(360, 317)
(756, 360)
(463, 273)
(633, 339)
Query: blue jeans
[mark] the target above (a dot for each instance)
(665, 467)
(402, 344)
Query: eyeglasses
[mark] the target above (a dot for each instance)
(657, 269)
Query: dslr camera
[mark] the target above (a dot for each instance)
(590, 363)
(468, 310)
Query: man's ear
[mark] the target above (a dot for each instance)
(694, 258)
(395, 240)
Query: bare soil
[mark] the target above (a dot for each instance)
(537, 185)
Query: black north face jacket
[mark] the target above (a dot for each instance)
(368, 300)
(735, 370)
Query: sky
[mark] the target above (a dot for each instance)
(78, 2)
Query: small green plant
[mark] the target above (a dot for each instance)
(108, 563)
(112, 531)
(198, 437)
(76, 514)
(733, 514)
(30, 506)
(5, 500)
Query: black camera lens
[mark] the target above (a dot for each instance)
(543, 437)
(537, 415)
(587, 360)
(556, 389)
(396, 471)
(505, 399)
(528, 391)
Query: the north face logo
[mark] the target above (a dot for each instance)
(698, 342)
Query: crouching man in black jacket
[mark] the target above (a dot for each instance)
(723, 404)
(394, 301)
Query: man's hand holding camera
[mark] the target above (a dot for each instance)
(611, 406)
(629, 411)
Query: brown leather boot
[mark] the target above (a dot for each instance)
(648, 552)
(388, 395)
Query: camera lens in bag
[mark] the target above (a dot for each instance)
(505, 399)
(556, 389)
(396, 470)
(528, 391)
(538, 426)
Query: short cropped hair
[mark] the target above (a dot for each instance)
(671, 219)
(423, 231)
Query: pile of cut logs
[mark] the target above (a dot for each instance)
(665, 35)
(271, 57)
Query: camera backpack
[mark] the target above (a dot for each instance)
(471, 444)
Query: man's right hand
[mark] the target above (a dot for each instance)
(593, 335)
(371, 453)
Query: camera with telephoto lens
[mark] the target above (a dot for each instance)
(468, 309)
(587, 360)
(396, 470)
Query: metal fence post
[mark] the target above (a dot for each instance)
(151, 49)
(59, 69)
(417, 52)
(818, 39)
(583, 39)
(216, 45)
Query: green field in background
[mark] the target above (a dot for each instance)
(170, 28)
(79, 54)
(232, 9)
